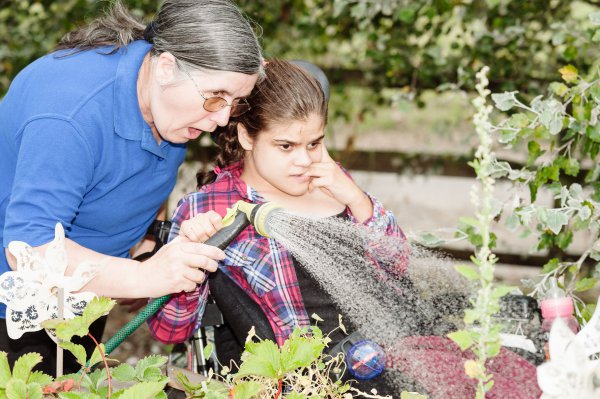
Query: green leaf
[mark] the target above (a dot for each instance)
(519, 120)
(429, 240)
(66, 329)
(208, 350)
(25, 364)
(4, 370)
(149, 361)
(560, 89)
(161, 395)
(502, 290)
(80, 325)
(39, 378)
(572, 167)
(462, 338)
(34, 391)
(16, 389)
(152, 374)
(144, 390)
(261, 358)
(550, 266)
(77, 350)
(316, 317)
(98, 307)
(96, 378)
(471, 315)
(569, 73)
(467, 271)
(96, 355)
(586, 284)
(493, 348)
(299, 351)
(246, 390)
(587, 311)
(73, 395)
(341, 325)
(504, 101)
(123, 372)
(564, 239)
(555, 220)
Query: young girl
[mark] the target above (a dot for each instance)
(275, 152)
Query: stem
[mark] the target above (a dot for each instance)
(484, 304)
(105, 364)
(279, 388)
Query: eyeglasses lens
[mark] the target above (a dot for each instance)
(215, 104)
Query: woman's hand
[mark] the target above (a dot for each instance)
(179, 266)
(201, 227)
(329, 177)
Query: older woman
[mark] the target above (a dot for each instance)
(93, 135)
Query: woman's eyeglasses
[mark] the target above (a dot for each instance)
(238, 106)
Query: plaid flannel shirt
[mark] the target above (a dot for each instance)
(261, 266)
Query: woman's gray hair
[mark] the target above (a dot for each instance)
(203, 34)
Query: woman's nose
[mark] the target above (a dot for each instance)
(221, 117)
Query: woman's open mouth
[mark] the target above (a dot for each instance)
(194, 133)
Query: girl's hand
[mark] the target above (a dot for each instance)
(201, 227)
(329, 177)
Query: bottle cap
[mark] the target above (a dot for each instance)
(365, 360)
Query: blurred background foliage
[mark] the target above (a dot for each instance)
(405, 44)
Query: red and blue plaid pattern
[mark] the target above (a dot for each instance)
(258, 265)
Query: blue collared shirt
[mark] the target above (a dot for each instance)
(75, 149)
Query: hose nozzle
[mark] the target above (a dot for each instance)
(255, 214)
(258, 215)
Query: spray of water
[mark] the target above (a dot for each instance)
(386, 288)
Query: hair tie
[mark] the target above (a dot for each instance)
(150, 32)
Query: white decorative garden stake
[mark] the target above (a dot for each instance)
(572, 372)
(31, 291)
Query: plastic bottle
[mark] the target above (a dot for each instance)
(556, 304)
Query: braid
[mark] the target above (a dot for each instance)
(229, 152)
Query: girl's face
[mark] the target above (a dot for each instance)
(177, 110)
(277, 159)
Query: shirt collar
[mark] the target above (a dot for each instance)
(128, 120)
(231, 177)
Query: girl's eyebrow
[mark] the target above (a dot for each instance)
(286, 141)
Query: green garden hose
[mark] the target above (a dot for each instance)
(234, 222)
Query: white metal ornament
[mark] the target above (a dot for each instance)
(31, 291)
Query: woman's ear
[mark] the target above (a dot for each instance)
(166, 65)
(244, 137)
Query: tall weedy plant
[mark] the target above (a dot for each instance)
(482, 331)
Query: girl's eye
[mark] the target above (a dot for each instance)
(313, 146)
(285, 147)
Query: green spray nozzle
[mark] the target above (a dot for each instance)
(256, 214)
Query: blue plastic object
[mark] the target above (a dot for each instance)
(365, 360)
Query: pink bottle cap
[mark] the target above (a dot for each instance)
(557, 307)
